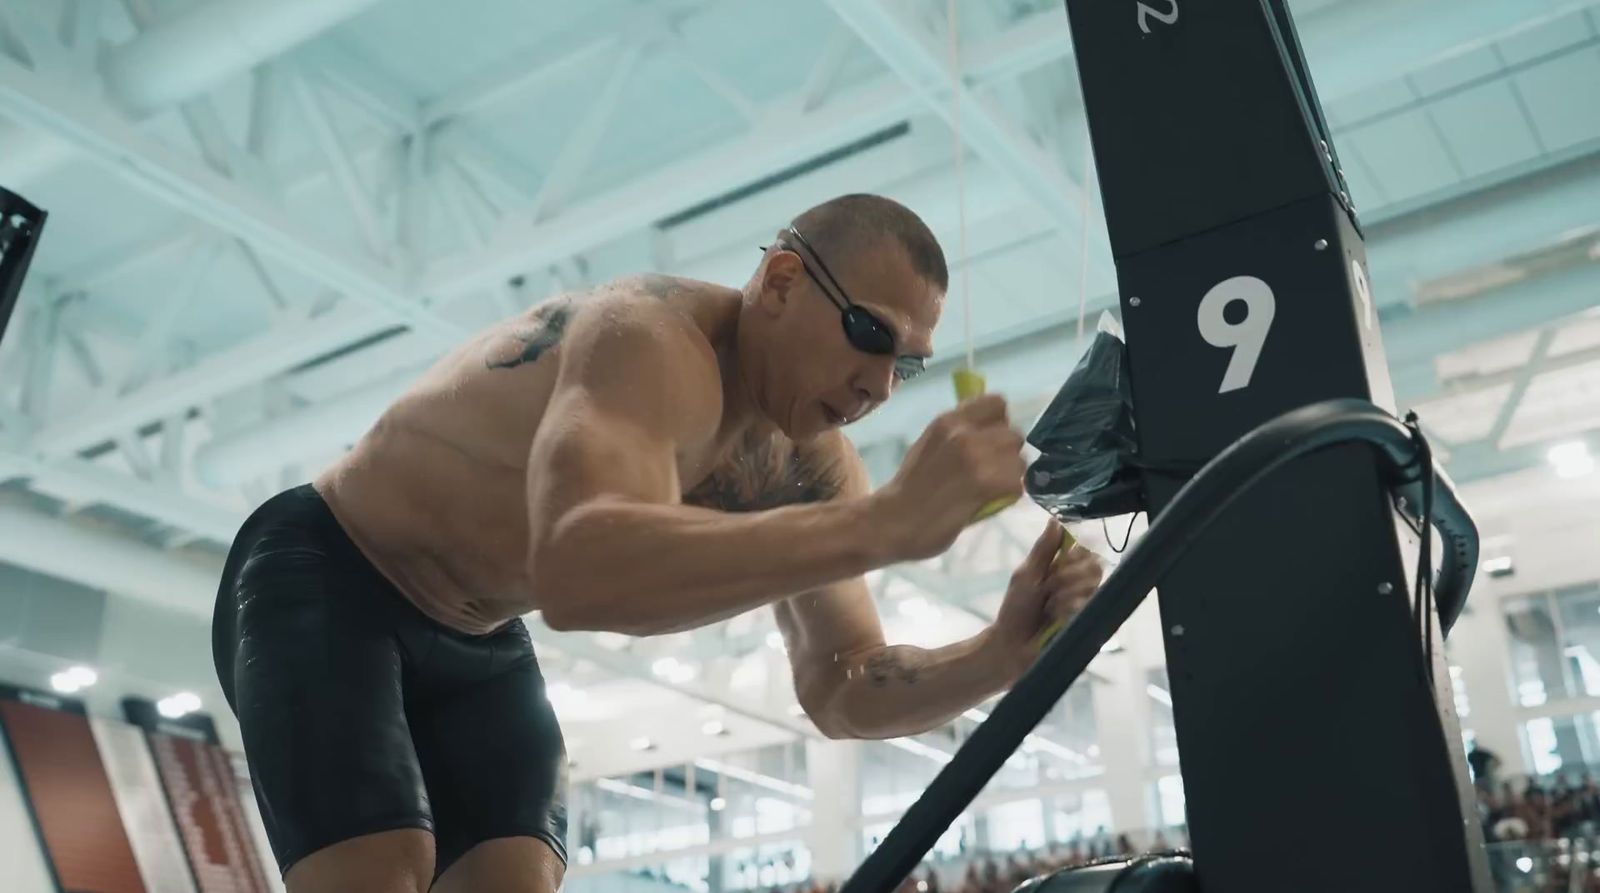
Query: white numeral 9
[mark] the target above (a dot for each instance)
(1246, 336)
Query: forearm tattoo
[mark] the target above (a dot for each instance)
(893, 665)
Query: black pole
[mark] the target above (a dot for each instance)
(1203, 499)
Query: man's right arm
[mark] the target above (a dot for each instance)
(612, 546)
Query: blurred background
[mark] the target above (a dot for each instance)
(267, 217)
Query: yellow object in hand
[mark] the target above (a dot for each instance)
(970, 383)
(1067, 542)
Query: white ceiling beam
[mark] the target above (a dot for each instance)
(271, 353)
(337, 155)
(153, 348)
(234, 457)
(123, 148)
(41, 339)
(276, 299)
(526, 244)
(203, 121)
(910, 53)
(517, 77)
(181, 59)
(1038, 38)
(840, 121)
(1351, 46)
(581, 141)
(820, 82)
(80, 31)
(29, 24)
(266, 108)
(77, 482)
(1535, 366)
(106, 561)
(782, 141)
(1025, 367)
(447, 185)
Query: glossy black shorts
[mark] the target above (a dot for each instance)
(360, 714)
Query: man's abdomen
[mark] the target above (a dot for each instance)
(448, 530)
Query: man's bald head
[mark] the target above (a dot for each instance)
(843, 228)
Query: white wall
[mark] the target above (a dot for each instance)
(138, 648)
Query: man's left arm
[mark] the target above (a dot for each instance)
(853, 684)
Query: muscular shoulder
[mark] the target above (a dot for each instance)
(644, 353)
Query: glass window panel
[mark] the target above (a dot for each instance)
(1170, 803)
(1080, 816)
(1579, 610)
(1562, 743)
(1016, 826)
(1537, 662)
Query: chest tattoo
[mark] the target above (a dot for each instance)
(766, 473)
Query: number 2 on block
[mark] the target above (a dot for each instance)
(1248, 335)
(1169, 16)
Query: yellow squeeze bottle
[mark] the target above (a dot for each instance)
(970, 383)
(1067, 542)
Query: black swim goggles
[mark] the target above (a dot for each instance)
(866, 332)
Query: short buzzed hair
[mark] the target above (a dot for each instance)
(844, 226)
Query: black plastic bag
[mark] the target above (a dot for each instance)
(1087, 467)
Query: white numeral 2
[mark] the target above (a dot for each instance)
(1246, 336)
(1148, 12)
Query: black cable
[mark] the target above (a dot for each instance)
(1422, 598)
(1105, 527)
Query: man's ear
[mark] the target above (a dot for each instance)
(780, 273)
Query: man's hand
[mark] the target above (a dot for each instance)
(967, 458)
(1044, 589)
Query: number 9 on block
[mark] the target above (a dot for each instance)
(1247, 336)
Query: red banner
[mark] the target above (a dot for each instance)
(200, 785)
(70, 798)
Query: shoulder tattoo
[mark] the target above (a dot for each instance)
(531, 339)
(660, 287)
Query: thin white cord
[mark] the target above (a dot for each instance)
(1083, 226)
(961, 175)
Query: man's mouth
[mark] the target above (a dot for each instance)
(834, 416)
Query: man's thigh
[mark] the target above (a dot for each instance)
(506, 865)
(317, 677)
(492, 756)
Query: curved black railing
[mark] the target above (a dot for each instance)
(1207, 495)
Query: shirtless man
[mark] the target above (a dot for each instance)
(655, 455)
